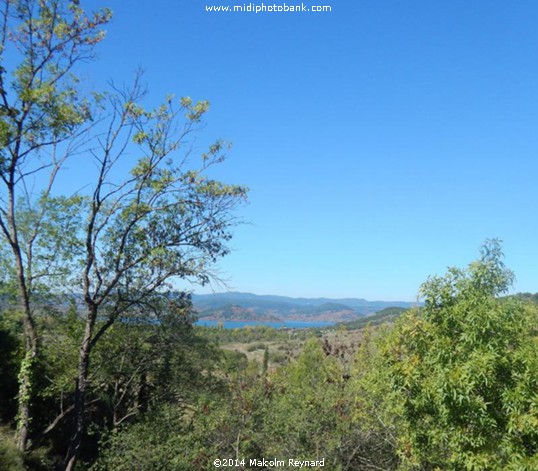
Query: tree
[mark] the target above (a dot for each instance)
(161, 222)
(463, 373)
(153, 363)
(42, 121)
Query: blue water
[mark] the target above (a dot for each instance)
(276, 325)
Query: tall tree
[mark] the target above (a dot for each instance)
(161, 221)
(42, 121)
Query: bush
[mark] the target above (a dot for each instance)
(234, 361)
(277, 357)
(10, 457)
(463, 373)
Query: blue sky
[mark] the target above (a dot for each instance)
(382, 141)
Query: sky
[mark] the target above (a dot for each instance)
(382, 141)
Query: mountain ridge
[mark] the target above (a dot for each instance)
(253, 306)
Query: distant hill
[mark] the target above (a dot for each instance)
(353, 313)
(261, 307)
(389, 314)
(330, 307)
(232, 312)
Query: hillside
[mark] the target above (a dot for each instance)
(388, 314)
(252, 307)
(232, 312)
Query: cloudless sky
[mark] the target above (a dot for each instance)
(382, 141)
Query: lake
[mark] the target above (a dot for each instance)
(276, 325)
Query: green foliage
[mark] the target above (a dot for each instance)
(300, 422)
(48, 231)
(151, 444)
(10, 457)
(42, 118)
(276, 357)
(41, 96)
(310, 412)
(451, 386)
(256, 346)
(155, 359)
(142, 225)
(265, 363)
(11, 351)
(152, 221)
(59, 351)
(374, 416)
(234, 361)
(463, 375)
(188, 432)
(528, 297)
(255, 334)
(188, 439)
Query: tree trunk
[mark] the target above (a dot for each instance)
(27, 364)
(80, 392)
(25, 392)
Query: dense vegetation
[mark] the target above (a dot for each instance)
(449, 386)
(101, 366)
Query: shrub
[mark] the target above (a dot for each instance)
(10, 457)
